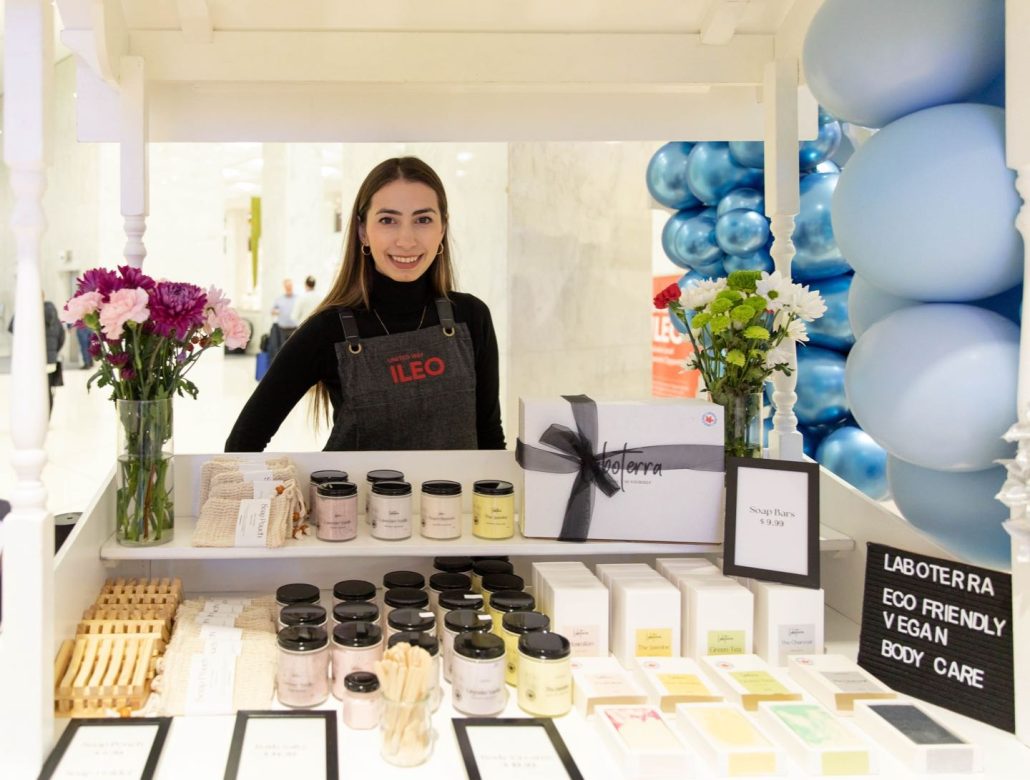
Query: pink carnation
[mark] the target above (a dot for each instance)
(215, 307)
(128, 305)
(79, 306)
(235, 331)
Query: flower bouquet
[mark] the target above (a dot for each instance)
(146, 336)
(742, 328)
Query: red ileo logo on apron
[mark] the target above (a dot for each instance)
(415, 367)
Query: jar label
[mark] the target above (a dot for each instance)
(210, 686)
(257, 475)
(544, 688)
(654, 642)
(391, 519)
(252, 522)
(797, 639)
(478, 687)
(726, 643)
(493, 518)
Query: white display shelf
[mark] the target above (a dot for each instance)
(181, 547)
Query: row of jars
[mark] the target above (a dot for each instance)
(388, 507)
(476, 651)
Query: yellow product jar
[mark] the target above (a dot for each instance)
(501, 602)
(513, 626)
(493, 509)
(544, 674)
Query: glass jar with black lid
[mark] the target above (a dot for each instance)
(316, 478)
(488, 566)
(390, 510)
(440, 509)
(410, 619)
(504, 601)
(456, 622)
(453, 563)
(295, 593)
(477, 673)
(544, 674)
(443, 581)
(403, 579)
(398, 598)
(353, 590)
(513, 626)
(302, 673)
(491, 583)
(356, 647)
(303, 615)
(355, 612)
(379, 475)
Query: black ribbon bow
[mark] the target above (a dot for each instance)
(577, 453)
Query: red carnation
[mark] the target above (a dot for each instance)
(667, 296)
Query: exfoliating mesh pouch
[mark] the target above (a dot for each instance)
(224, 463)
(216, 526)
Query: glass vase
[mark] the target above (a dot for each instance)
(406, 730)
(145, 473)
(743, 421)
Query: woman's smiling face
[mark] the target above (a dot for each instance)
(403, 229)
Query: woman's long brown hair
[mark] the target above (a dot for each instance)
(353, 285)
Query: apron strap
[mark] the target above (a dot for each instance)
(350, 330)
(446, 313)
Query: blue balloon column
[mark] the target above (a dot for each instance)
(719, 226)
(924, 212)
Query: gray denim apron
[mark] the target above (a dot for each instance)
(406, 391)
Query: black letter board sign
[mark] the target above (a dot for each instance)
(940, 631)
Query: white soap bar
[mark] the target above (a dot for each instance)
(672, 681)
(916, 739)
(816, 739)
(747, 680)
(729, 740)
(836, 681)
(606, 572)
(543, 568)
(645, 619)
(603, 681)
(788, 621)
(642, 743)
(718, 617)
(671, 568)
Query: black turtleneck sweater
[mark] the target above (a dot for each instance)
(309, 356)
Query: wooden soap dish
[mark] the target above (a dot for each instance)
(99, 672)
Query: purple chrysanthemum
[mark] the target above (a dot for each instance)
(100, 280)
(176, 308)
(119, 359)
(133, 277)
(127, 374)
(94, 345)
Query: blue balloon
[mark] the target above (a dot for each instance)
(935, 385)
(742, 198)
(874, 61)
(851, 454)
(672, 229)
(1008, 304)
(832, 330)
(993, 94)
(712, 174)
(750, 154)
(667, 176)
(713, 270)
(694, 243)
(828, 166)
(959, 511)
(822, 148)
(818, 255)
(820, 386)
(759, 260)
(741, 232)
(868, 304)
(943, 231)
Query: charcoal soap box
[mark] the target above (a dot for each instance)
(836, 681)
(916, 739)
(650, 503)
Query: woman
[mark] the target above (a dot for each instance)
(403, 360)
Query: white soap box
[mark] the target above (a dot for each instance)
(718, 617)
(816, 739)
(645, 618)
(578, 609)
(836, 681)
(672, 681)
(729, 740)
(747, 680)
(917, 740)
(788, 621)
(643, 745)
(602, 682)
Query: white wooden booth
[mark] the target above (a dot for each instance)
(323, 70)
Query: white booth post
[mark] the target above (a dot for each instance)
(27, 534)
(134, 163)
(1016, 492)
(782, 202)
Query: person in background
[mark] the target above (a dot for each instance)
(307, 302)
(82, 336)
(282, 306)
(401, 360)
(53, 331)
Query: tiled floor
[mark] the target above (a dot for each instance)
(80, 442)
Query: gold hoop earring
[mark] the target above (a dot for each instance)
(439, 250)
(366, 250)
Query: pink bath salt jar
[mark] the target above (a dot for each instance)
(302, 676)
(336, 511)
(316, 478)
(361, 700)
(356, 648)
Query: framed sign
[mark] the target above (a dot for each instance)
(107, 747)
(277, 743)
(772, 520)
(513, 749)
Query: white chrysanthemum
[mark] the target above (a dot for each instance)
(807, 304)
(797, 331)
(774, 288)
(781, 353)
(702, 293)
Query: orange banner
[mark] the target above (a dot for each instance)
(669, 352)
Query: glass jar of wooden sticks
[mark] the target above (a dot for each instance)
(405, 721)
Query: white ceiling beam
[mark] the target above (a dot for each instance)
(720, 22)
(195, 20)
(474, 58)
(110, 37)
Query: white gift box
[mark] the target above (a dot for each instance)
(642, 743)
(788, 621)
(916, 739)
(816, 739)
(729, 740)
(601, 682)
(836, 681)
(652, 500)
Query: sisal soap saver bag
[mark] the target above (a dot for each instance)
(226, 464)
(250, 522)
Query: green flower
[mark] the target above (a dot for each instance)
(730, 295)
(735, 357)
(742, 314)
(720, 323)
(743, 280)
(720, 306)
(756, 332)
(757, 302)
(700, 320)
